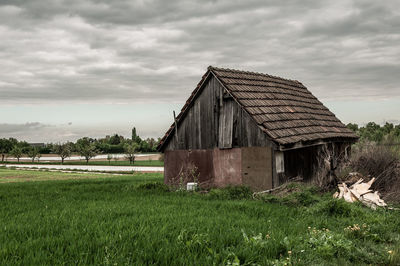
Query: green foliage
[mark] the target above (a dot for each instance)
(135, 137)
(6, 146)
(63, 150)
(32, 153)
(376, 133)
(130, 150)
(16, 152)
(109, 144)
(46, 149)
(86, 148)
(352, 126)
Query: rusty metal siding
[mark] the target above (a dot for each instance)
(257, 167)
(252, 166)
(215, 167)
(227, 167)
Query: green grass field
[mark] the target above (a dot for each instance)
(8, 175)
(112, 162)
(117, 220)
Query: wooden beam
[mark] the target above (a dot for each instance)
(299, 145)
(176, 130)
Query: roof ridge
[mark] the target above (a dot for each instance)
(252, 73)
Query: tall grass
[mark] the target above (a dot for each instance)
(126, 220)
(381, 162)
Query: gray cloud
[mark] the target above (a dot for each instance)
(20, 128)
(146, 51)
(39, 132)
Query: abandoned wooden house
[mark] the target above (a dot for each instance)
(253, 129)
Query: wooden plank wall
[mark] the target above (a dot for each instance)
(225, 127)
(200, 127)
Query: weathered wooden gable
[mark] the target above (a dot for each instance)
(215, 119)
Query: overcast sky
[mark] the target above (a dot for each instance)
(89, 68)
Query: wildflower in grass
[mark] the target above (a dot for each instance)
(328, 244)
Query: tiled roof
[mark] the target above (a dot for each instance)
(284, 109)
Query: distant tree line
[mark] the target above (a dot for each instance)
(386, 134)
(86, 147)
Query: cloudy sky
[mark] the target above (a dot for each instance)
(89, 68)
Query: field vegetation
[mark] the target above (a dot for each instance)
(135, 219)
(372, 132)
(86, 147)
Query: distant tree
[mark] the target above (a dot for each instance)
(63, 150)
(135, 137)
(372, 132)
(16, 152)
(109, 158)
(387, 128)
(396, 131)
(46, 149)
(38, 156)
(6, 146)
(24, 146)
(116, 139)
(152, 144)
(352, 126)
(130, 150)
(33, 153)
(86, 148)
(144, 146)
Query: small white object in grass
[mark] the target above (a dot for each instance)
(190, 186)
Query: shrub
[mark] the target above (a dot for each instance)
(379, 162)
(337, 208)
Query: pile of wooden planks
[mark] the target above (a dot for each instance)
(360, 191)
